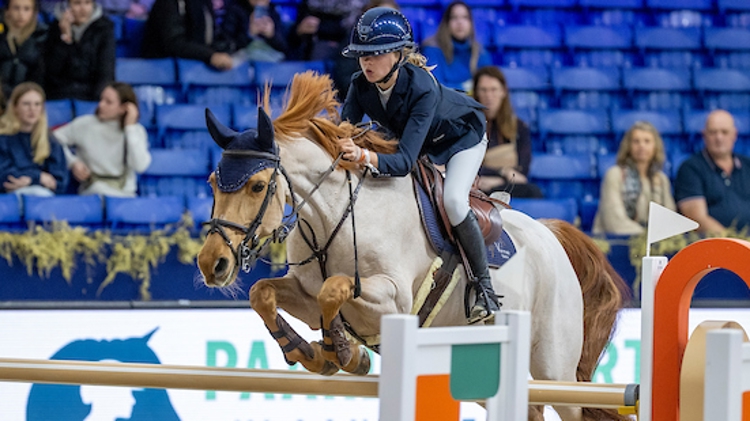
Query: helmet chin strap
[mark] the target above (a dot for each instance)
(395, 67)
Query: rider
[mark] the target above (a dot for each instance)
(396, 89)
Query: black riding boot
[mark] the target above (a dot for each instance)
(469, 236)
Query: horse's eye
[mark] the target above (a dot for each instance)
(258, 187)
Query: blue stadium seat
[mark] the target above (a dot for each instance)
(279, 75)
(143, 213)
(527, 78)
(732, 60)
(245, 117)
(543, 3)
(81, 107)
(666, 122)
(200, 208)
(724, 5)
(203, 84)
(653, 79)
(604, 37)
(612, 4)
(527, 36)
(565, 209)
(574, 131)
(603, 58)
(680, 4)
(581, 78)
(141, 71)
(532, 58)
(587, 209)
(675, 160)
(184, 125)
(722, 80)
(176, 172)
(132, 38)
(76, 210)
(727, 38)
(562, 176)
(59, 112)
(668, 38)
(10, 212)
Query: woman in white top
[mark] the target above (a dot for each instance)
(110, 145)
(636, 180)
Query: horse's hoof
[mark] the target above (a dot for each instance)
(329, 369)
(363, 368)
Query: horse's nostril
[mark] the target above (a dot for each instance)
(221, 265)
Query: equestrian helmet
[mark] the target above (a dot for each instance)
(379, 30)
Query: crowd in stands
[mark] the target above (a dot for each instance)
(68, 50)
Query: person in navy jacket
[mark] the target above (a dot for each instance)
(396, 89)
(30, 162)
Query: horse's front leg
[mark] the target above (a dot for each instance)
(265, 296)
(378, 298)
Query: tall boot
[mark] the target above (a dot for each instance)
(470, 239)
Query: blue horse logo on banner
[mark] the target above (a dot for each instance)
(92, 403)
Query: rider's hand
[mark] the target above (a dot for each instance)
(351, 151)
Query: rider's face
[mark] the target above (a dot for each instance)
(376, 67)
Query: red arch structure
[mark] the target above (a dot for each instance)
(671, 311)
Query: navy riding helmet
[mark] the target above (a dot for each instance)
(379, 30)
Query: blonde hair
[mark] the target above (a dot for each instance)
(623, 154)
(412, 56)
(10, 125)
(17, 36)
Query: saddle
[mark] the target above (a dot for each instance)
(431, 180)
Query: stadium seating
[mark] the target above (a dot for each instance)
(59, 112)
(203, 84)
(613, 4)
(666, 122)
(10, 212)
(605, 37)
(81, 107)
(142, 213)
(527, 36)
(76, 210)
(200, 209)
(184, 125)
(727, 38)
(574, 131)
(725, 5)
(679, 4)
(565, 209)
(176, 172)
(562, 176)
(668, 38)
(154, 80)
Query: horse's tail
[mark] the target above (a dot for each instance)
(604, 293)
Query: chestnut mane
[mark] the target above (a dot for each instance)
(311, 111)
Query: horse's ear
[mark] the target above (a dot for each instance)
(221, 134)
(265, 129)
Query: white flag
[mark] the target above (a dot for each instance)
(664, 223)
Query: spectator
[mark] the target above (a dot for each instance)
(636, 180)
(30, 161)
(80, 51)
(252, 30)
(110, 146)
(508, 158)
(713, 186)
(185, 29)
(22, 39)
(454, 48)
(323, 27)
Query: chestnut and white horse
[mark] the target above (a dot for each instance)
(569, 287)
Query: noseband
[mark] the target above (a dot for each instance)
(248, 252)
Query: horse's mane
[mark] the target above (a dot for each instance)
(311, 111)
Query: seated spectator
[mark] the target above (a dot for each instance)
(80, 51)
(185, 29)
(508, 158)
(22, 39)
(636, 180)
(454, 48)
(30, 161)
(713, 186)
(252, 30)
(323, 28)
(110, 146)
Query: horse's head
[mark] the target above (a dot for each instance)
(249, 199)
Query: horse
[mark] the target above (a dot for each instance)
(374, 265)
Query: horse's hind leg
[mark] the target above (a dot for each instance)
(351, 357)
(265, 296)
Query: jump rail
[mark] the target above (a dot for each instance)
(275, 381)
